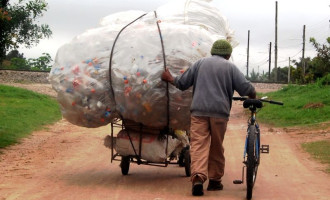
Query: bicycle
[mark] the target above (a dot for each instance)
(252, 147)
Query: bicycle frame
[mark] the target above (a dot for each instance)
(252, 149)
(252, 122)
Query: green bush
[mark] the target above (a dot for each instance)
(19, 64)
(324, 80)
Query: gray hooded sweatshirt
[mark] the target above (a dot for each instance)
(214, 80)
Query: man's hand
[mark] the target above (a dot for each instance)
(167, 76)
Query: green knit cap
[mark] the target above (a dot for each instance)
(221, 47)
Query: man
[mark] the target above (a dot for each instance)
(214, 80)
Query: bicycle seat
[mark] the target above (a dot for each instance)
(255, 102)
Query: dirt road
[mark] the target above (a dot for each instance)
(70, 162)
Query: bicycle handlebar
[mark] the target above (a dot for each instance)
(263, 100)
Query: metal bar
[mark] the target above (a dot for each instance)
(140, 141)
(111, 142)
(243, 174)
(130, 139)
(111, 54)
(167, 85)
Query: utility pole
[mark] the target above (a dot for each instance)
(289, 72)
(248, 50)
(275, 42)
(303, 54)
(270, 59)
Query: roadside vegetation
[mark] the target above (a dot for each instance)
(302, 71)
(304, 105)
(19, 27)
(320, 151)
(23, 111)
(16, 61)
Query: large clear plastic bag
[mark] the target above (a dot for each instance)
(81, 73)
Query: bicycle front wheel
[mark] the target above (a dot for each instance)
(252, 160)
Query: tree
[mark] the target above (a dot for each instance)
(263, 77)
(41, 63)
(282, 74)
(254, 76)
(14, 54)
(16, 61)
(18, 27)
(320, 65)
(297, 75)
(19, 64)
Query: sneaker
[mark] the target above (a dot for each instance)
(214, 185)
(197, 187)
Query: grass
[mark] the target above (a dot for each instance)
(22, 112)
(303, 106)
(320, 150)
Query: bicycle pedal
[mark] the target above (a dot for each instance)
(264, 148)
(237, 181)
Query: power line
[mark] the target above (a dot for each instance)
(296, 54)
(261, 62)
(324, 20)
(286, 60)
(317, 30)
(292, 45)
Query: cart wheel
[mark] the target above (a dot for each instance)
(181, 159)
(187, 162)
(124, 164)
(181, 156)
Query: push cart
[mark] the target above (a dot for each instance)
(135, 134)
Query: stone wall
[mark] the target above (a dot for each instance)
(9, 76)
(268, 87)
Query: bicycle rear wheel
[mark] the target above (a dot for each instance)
(252, 160)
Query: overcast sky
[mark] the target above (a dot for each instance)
(69, 18)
